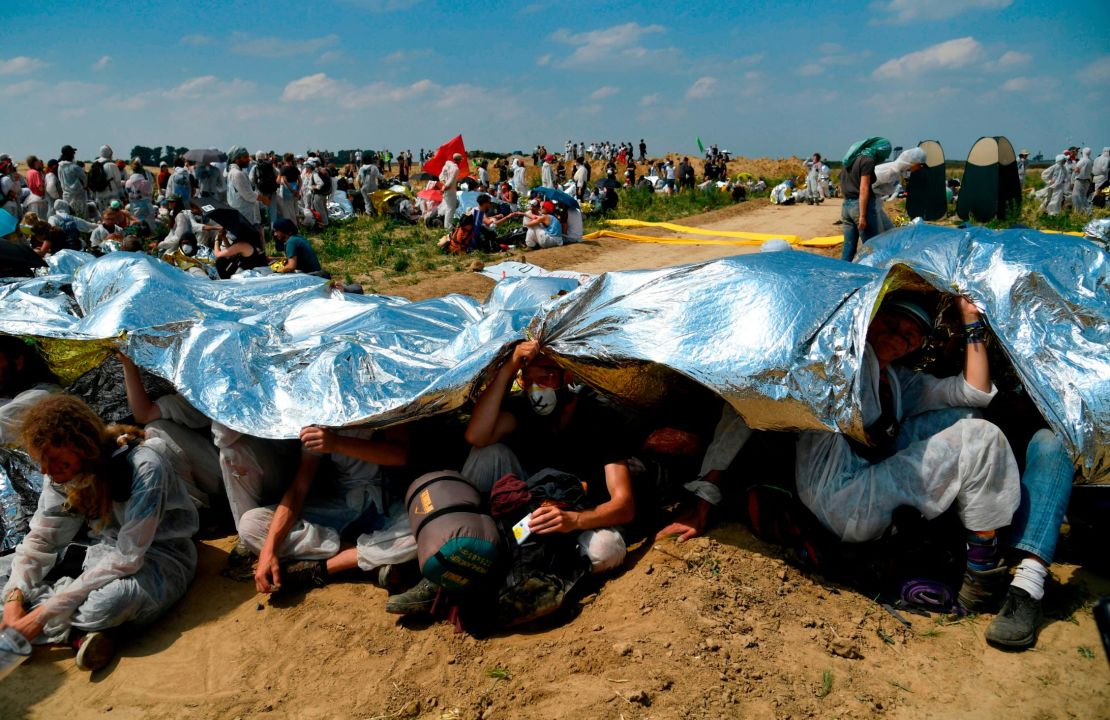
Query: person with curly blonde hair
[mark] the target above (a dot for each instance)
(121, 488)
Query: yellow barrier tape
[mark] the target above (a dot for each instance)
(794, 240)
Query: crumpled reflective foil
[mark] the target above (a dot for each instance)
(1047, 300)
(780, 336)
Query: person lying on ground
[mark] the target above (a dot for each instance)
(298, 540)
(927, 449)
(124, 491)
(24, 381)
(299, 254)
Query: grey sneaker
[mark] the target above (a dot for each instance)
(417, 599)
(1015, 627)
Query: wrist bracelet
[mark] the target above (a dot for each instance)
(975, 332)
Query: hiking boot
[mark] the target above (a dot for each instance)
(417, 599)
(982, 590)
(94, 651)
(1015, 627)
(304, 575)
(240, 555)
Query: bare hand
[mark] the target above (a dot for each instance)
(689, 524)
(267, 578)
(862, 222)
(967, 309)
(525, 352)
(13, 611)
(550, 519)
(317, 439)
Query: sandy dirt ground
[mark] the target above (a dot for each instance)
(719, 627)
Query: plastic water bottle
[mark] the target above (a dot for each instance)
(14, 649)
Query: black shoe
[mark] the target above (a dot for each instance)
(417, 599)
(94, 651)
(1015, 627)
(240, 555)
(304, 575)
(982, 589)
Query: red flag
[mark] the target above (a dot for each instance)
(446, 150)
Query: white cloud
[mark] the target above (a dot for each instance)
(906, 11)
(348, 96)
(1010, 59)
(649, 100)
(1097, 72)
(19, 89)
(382, 6)
(208, 87)
(614, 46)
(811, 69)
(544, 60)
(21, 65)
(603, 92)
(702, 88)
(102, 63)
(276, 47)
(1017, 84)
(949, 55)
(329, 57)
(195, 39)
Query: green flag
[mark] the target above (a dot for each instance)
(701, 148)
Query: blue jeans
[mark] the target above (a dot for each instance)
(849, 217)
(1045, 490)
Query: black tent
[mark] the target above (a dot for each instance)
(991, 186)
(926, 194)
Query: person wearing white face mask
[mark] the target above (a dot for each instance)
(548, 426)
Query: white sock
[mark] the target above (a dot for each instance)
(1030, 576)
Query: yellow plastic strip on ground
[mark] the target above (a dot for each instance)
(831, 241)
(761, 237)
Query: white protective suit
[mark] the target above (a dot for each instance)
(943, 456)
(183, 223)
(72, 179)
(253, 471)
(1100, 168)
(12, 409)
(781, 193)
(1081, 185)
(242, 197)
(210, 180)
(449, 179)
(139, 188)
(103, 198)
(824, 178)
(53, 192)
(368, 177)
(813, 181)
(180, 183)
(315, 534)
(67, 220)
(888, 178)
(140, 564)
(1055, 178)
(518, 182)
(547, 175)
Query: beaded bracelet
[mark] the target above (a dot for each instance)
(975, 333)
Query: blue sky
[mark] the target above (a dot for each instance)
(756, 78)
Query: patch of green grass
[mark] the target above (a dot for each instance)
(931, 632)
(826, 684)
(497, 673)
(1086, 652)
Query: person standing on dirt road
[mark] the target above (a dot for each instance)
(859, 213)
(643, 150)
(449, 178)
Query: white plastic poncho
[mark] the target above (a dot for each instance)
(12, 410)
(888, 175)
(241, 196)
(141, 563)
(940, 460)
(1100, 168)
(1081, 185)
(1056, 179)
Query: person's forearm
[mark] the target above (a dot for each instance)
(864, 199)
(388, 452)
(607, 514)
(483, 421)
(285, 515)
(977, 371)
(138, 400)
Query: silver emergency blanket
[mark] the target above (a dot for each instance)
(20, 485)
(780, 336)
(1098, 229)
(1046, 298)
(269, 355)
(339, 207)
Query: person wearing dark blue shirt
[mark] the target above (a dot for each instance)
(299, 255)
